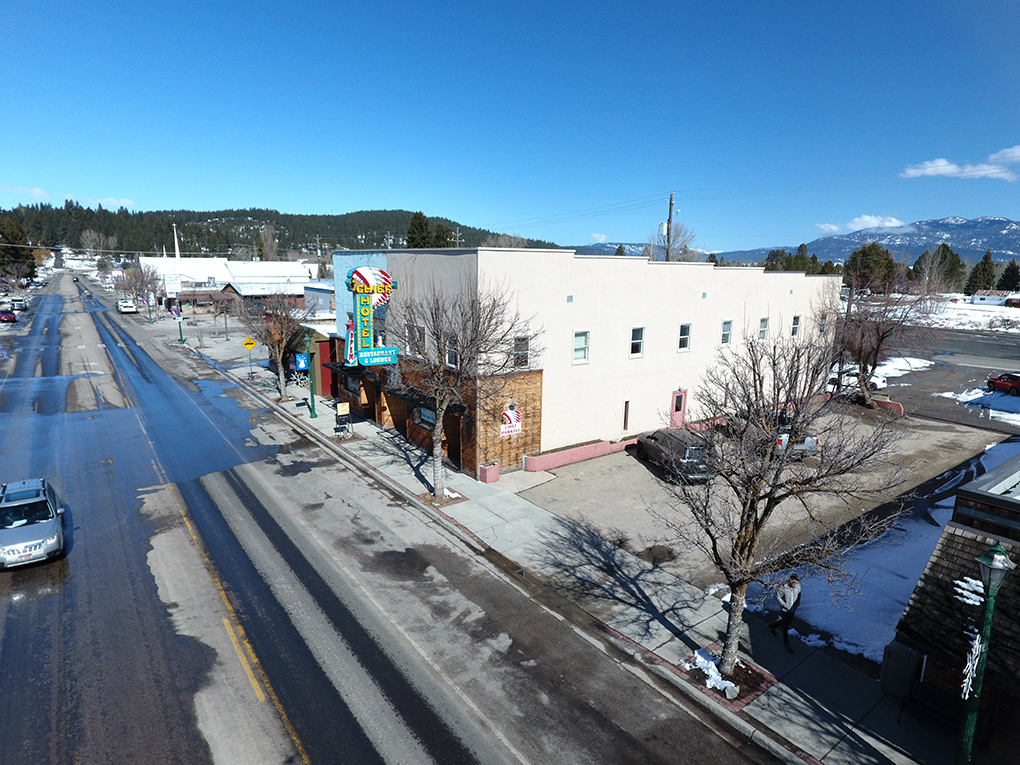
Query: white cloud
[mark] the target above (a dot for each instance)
(35, 193)
(874, 221)
(110, 203)
(599, 237)
(1007, 156)
(995, 167)
(828, 228)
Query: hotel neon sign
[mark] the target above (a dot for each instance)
(371, 288)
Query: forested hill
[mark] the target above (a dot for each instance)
(221, 231)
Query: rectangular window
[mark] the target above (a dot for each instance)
(685, 337)
(795, 329)
(763, 329)
(352, 385)
(626, 416)
(727, 331)
(415, 340)
(521, 349)
(822, 323)
(425, 417)
(580, 346)
(452, 359)
(637, 341)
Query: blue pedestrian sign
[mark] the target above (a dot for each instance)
(301, 360)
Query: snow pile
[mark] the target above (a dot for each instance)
(969, 591)
(902, 365)
(708, 664)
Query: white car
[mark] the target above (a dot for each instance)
(852, 381)
(127, 305)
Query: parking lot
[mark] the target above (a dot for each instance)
(616, 493)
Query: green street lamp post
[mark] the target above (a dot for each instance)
(311, 377)
(180, 320)
(994, 564)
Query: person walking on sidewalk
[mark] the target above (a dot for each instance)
(788, 595)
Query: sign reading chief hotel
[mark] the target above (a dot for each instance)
(371, 288)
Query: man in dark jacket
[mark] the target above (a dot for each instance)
(788, 595)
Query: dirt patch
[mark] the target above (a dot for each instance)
(656, 554)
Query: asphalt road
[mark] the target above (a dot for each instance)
(961, 361)
(232, 593)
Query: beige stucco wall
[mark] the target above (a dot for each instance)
(608, 297)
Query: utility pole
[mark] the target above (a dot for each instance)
(457, 236)
(669, 228)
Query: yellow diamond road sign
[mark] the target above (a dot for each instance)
(249, 343)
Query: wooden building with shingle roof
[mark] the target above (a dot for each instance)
(941, 618)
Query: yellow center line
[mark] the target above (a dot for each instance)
(244, 662)
(262, 677)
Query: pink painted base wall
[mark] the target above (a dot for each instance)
(891, 406)
(578, 454)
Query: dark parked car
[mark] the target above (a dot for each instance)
(1008, 382)
(682, 454)
(31, 523)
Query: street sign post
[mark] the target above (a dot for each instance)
(249, 344)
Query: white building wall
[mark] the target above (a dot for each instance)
(608, 297)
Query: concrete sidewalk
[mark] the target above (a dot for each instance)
(811, 706)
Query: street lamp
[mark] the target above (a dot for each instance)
(311, 376)
(994, 564)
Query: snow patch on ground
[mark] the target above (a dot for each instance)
(708, 664)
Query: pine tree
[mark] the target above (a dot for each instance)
(418, 234)
(1010, 279)
(982, 276)
(443, 236)
(13, 243)
(620, 251)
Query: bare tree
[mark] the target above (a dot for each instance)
(139, 281)
(224, 304)
(880, 312)
(675, 249)
(92, 242)
(275, 322)
(505, 240)
(461, 346)
(743, 519)
(267, 243)
(95, 244)
(241, 252)
(678, 247)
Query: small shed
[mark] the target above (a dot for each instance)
(994, 297)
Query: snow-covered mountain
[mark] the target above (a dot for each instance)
(968, 238)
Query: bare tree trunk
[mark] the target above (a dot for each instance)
(281, 372)
(438, 469)
(732, 643)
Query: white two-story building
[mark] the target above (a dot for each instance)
(625, 341)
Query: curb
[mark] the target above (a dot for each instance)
(786, 753)
(437, 516)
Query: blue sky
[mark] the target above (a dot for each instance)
(774, 123)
